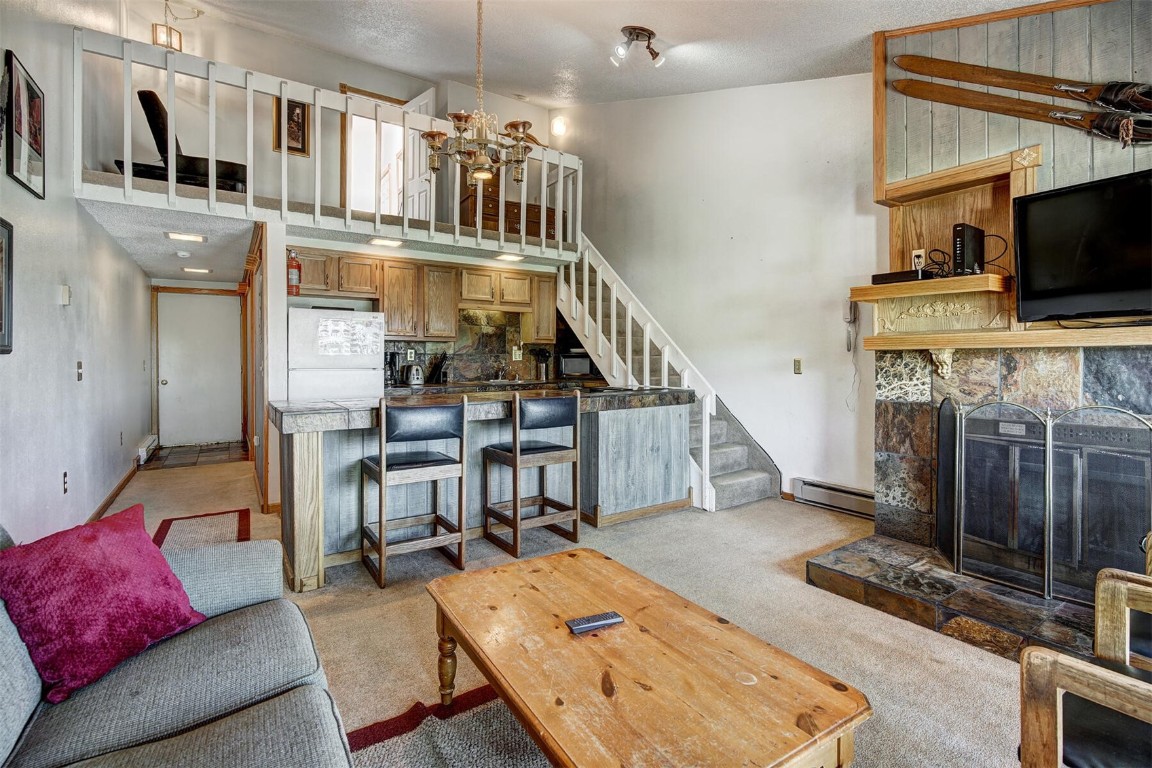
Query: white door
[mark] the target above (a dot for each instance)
(198, 345)
(416, 164)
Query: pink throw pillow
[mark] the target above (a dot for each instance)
(88, 598)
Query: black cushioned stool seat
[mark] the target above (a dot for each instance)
(408, 424)
(534, 413)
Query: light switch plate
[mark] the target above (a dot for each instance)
(796, 367)
(517, 354)
(411, 355)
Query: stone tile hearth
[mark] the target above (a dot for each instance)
(915, 583)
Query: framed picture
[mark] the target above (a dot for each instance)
(24, 127)
(5, 287)
(299, 136)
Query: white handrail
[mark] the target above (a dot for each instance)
(560, 167)
(620, 369)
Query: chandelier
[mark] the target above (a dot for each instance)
(478, 145)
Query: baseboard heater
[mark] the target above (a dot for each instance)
(149, 444)
(841, 498)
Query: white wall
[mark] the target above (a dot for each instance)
(50, 422)
(741, 218)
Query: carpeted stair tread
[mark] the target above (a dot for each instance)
(743, 486)
(717, 432)
(724, 458)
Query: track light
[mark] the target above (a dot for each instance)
(633, 34)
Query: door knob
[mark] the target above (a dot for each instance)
(164, 382)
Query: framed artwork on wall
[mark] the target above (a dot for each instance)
(299, 136)
(5, 287)
(24, 127)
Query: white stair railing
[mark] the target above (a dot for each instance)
(599, 331)
(231, 96)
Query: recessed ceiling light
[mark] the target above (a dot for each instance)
(198, 271)
(386, 242)
(186, 237)
(509, 257)
(183, 254)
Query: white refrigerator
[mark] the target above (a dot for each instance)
(335, 354)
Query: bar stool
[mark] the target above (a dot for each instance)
(527, 414)
(407, 424)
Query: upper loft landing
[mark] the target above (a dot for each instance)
(356, 168)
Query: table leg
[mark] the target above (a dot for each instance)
(447, 662)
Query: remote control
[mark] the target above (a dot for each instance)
(598, 621)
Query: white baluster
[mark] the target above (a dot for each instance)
(628, 342)
(249, 142)
(317, 114)
(646, 364)
(283, 150)
(348, 162)
(584, 301)
(212, 136)
(128, 101)
(600, 286)
(78, 118)
(378, 154)
(612, 340)
(170, 60)
(664, 365)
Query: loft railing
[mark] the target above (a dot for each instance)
(557, 174)
(630, 348)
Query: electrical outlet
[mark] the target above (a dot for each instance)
(917, 258)
(411, 355)
(796, 367)
(65, 482)
(517, 354)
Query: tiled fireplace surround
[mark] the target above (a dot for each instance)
(897, 570)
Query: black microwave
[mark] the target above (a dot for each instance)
(575, 364)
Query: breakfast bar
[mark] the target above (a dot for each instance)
(633, 452)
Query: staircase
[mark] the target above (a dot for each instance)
(740, 471)
(631, 349)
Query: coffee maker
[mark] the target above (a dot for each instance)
(392, 370)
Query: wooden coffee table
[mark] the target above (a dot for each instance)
(673, 685)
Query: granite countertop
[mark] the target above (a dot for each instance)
(485, 401)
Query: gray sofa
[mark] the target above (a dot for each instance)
(244, 688)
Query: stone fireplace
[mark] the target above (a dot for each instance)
(901, 569)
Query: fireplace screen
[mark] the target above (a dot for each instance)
(1043, 502)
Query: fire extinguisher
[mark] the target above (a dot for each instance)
(293, 274)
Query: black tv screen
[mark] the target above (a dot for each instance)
(1085, 251)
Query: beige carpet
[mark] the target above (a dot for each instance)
(936, 701)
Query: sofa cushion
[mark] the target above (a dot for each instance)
(225, 664)
(88, 598)
(297, 729)
(19, 684)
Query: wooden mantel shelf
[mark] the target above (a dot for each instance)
(1047, 337)
(990, 283)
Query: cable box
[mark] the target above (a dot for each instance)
(903, 276)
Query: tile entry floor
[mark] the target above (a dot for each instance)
(196, 455)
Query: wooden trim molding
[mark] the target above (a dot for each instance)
(197, 291)
(985, 18)
(787, 496)
(111, 497)
(599, 520)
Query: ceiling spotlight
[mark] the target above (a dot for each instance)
(386, 242)
(186, 237)
(633, 34)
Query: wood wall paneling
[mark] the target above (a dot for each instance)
(1091, 41)
(1142, 64)
(1111, 59)
(945, 117)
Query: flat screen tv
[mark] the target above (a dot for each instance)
(1085, 251)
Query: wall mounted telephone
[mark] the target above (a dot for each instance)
(850, 321)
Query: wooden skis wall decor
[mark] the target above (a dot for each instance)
(1120, 98)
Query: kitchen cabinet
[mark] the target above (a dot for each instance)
(357, 274)
(400, 299)
(477, 286)
(491, 289)
(441, 302)
(314, 275)
(539, 325)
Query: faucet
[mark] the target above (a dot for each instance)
(501, 372)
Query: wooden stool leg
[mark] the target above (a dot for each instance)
(460, 524)
(516, 510)
(382, 547)
(484, 500)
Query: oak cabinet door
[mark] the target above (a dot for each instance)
(358, 275)
(400, 298)
(314, 273)
(441, 297)
(544, 310)
(515, 289)
(477, 285)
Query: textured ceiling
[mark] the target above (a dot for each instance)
(141, 232)
(556, 52)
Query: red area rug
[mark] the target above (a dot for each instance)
(209, 528)
(365, 737)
